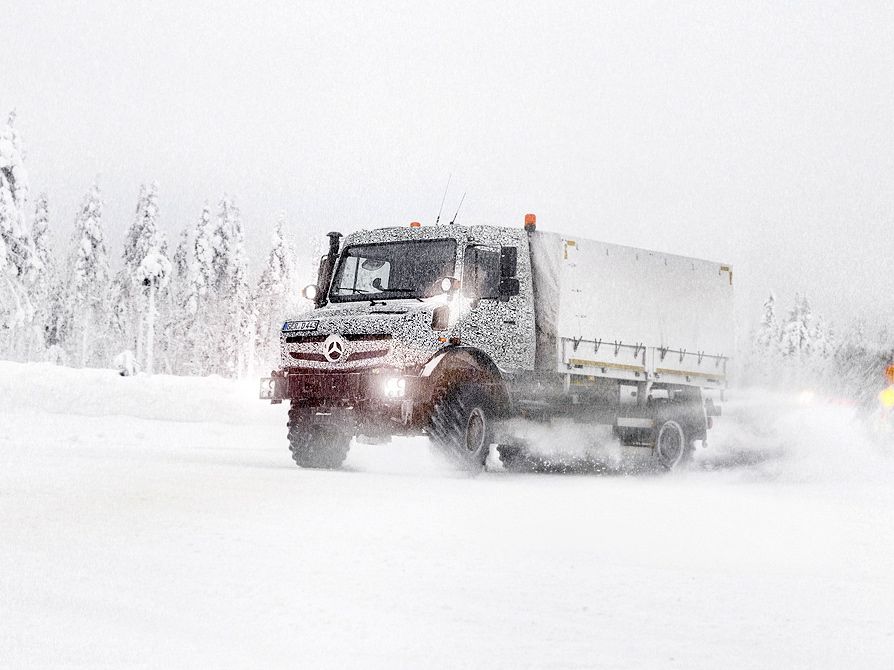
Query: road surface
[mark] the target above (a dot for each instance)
(160, 522)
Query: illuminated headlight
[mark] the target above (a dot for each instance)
(394, 387)
(311, 292)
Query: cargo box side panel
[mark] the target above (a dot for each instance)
(635, 297)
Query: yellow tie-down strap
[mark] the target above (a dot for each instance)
(690, 373)
(583, 362)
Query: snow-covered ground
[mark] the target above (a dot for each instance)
(160, 522)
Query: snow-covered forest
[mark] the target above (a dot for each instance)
(796, 347)
(186, 307)
(189, 307)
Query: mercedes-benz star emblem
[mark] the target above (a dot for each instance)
(334, 348)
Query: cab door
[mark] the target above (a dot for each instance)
(494, 320)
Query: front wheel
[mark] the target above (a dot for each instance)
(318, 446)
(462, 426)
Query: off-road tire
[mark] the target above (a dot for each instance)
(461, 426)
(318, 446)
(673, 448)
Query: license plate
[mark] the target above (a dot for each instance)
(300, 326)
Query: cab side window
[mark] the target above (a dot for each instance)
(481, 273)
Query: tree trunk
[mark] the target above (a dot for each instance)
(150, 329)
(84, 336)
(139, 342)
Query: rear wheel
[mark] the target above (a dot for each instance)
(462, 426)
(318, 446)
(672, 446)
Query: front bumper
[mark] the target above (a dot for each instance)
(339, 389)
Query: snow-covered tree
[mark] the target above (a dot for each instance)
(131, 294)
(768, 333)
(40, 234)
(228, 246)
(44, 285)
(796, 333)
(822, 339)
(217, 300)
(173, 313)
(276, 295)
(88, 276)
(236, 331)
(154, 273)
(180, 261)
(202, 271)
(122, 328)
(200, 298)
(17, 259)
(142, 235)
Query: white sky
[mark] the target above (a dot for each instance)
(755, 134)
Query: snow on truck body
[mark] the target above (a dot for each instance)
(447, 330)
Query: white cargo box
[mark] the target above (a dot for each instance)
(607, 310)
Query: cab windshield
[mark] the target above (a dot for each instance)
(389, 270)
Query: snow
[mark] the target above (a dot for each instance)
(159, 521)
(154, 268)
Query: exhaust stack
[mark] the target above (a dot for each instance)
(327, 267)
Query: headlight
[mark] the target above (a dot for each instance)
(394, 387)
(268, 388)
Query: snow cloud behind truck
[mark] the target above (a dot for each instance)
(449, 330)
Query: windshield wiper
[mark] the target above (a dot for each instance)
(402, 290)
(352, 290)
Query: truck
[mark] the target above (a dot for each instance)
(453, 331)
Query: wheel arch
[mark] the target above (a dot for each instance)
(687, 407)
(459, 364)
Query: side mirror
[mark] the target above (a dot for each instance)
(509, 284)
(509, 287)
(508, 261)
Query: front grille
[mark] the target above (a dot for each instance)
(308, 356)
(305, 339)
(311, 339)
(362, 349)
(366, 338)
(364, 355)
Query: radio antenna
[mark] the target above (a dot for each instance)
(441, 209)
(453, 220)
